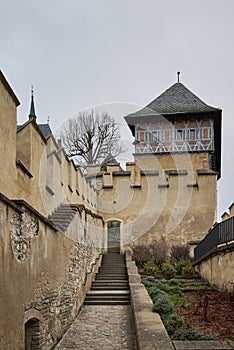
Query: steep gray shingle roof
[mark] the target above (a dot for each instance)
(45, 129)
(175, 100)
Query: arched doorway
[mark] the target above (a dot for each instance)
(32, 334)
(113, 236)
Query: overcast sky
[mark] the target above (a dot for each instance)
(80, 54)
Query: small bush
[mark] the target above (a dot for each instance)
(150, 268)
(163, 305)
(180, 264)
(140, 254)
(188, 272)
(158, 252)
(175, 290)
(211, 336)
(155, 293)
(168, 270)
(187, 334)
(173, 282)
(148, 281)
(180, 252)
(155, 252)
(161, 285)
(172, 323)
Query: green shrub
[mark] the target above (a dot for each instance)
(188, 272)
(180, 264)
(180, 252)
(168, 270)
(172, 323)
(155, 293)
(210, 336)
(150, 268)
(175, 290)
(148, 281)
(163, 305)
(173, 282)
(150, 278)
(161, 285)
(187, 334)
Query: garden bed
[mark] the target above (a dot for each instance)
(192, 310)
(189, 308)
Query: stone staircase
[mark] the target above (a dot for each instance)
(110, 286)
(62, 216)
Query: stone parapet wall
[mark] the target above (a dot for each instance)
(150, 331)
(44, 276)
(218, 267)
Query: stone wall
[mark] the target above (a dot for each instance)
(159, 198)
(8, 104)
(44, 276)
(218, 268)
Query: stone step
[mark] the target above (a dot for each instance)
(62, 218)
(59, 227)
(108, 272)
(64, 212)
(111, 282)
(114, 258)
(107, 297)
(111, 278)
(107, 302)
(114, 282)
(110, 286)
(113, 263)
(113, 268)
(106, 287)
(112, 273)
(109, 293)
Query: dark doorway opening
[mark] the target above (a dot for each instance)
(32, 334)
(113, 234)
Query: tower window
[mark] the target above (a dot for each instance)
(179, 134)
(192, 134)
(154, 136)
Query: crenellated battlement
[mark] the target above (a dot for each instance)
(163, 178)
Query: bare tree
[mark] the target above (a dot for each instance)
(90, 137)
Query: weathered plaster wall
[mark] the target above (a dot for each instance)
(160, 197)
(218, 269)
(43, 275)
(8, 138)
(50, 179)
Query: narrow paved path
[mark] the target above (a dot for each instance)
(104, 327)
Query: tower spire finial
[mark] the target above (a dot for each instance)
(178, 79)
(32, 114)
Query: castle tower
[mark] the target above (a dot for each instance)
(178, 123)
(170, 191)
